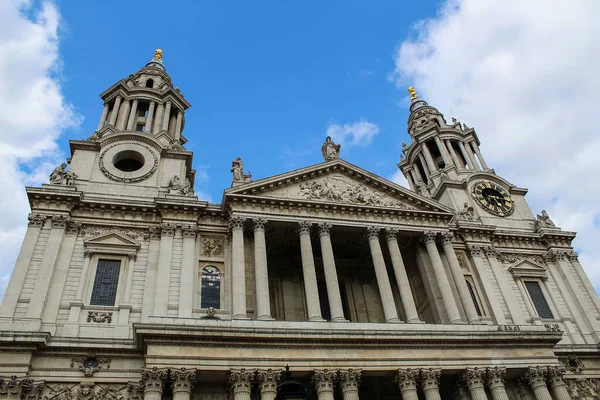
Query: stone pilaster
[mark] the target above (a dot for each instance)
(349, 383)
(182, 383)
(267, 383)
(331, 280)
(308, 271)
(495, 383)
(154, 380)
(474, 378)
(323, 380)
(383, 281)
(188, 263)
(486, 280)
(407, 380)
(536, 377)
(261, 274)
(430, 382)
(441, 277)
(557, 383)
(238, 264)
(240, 382)
(161, 296)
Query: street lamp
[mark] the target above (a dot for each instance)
(289, 389)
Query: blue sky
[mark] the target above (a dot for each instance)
(265, 78)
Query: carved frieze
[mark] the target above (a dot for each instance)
(110, 392)
(88, 230)
(135, 390)
(573, 364)
(99, 316)
(212, 247)
(85, 391)
(583, 388)
(17, 388)
(553, 327)
(511, 258)
(60, 392)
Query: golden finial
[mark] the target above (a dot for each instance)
(158, 55)
(413, 94)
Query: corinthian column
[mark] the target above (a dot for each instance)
(240, 382)
(383, 282)
(407, 383)
(308, 271)
(238, 267)
(349, 382)
(183, 381)
(474, 379)
(557, 383)
(430, 380)
(267, 382)
(495, 383)
(331, 280)
(323, 381)
(261, 274)
(536, 377)
(441, 277)
(153, 380)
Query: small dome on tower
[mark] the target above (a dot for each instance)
(422, 115)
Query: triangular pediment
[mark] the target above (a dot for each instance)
(111, 240)
(337, 182)
(527, 268)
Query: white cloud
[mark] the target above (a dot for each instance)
(525, 75)
(359, 133)
(33, 115)
(399, 178)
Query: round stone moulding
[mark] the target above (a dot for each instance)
(128, 162)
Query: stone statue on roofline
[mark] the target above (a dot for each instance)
(239, 177)
(543, 221)
(330, 150)
(60, 176)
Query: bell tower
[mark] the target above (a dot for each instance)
(137, 149)
(444, 162)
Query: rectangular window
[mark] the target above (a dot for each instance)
(140, 127)
(105, 283)
(474, 298)
(537, 297)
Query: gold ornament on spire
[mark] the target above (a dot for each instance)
(413, 94)
(158, 55)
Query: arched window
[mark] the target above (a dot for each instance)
(150, 83)
(210, 290)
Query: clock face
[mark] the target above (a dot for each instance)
(493, 198)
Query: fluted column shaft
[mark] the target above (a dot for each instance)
(115, 111)
(474, 378)
(349, 382)
(430, 380)
(129, 283)
(495, 383)
(557, 383)
(166, 116)
(536, 376)
(150, 117)
(331, 280)
(311, 290)
(441, 278)
(428, 158)
(238, 269)
(132, 116)
(323, 381)
(406, 295)
(407, 383)
(103, 117)
(383, 281)
(459, 279)
(261, 274)
(188, 263)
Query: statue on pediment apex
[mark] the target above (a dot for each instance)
(330, 150)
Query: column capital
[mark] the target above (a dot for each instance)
(259, 223)
(373, 232)
(324, 228)
(474, 250)
(447, 237)
(268, 379)
(36, 220)
(555, 376)
(536, 376)
(323, 380)
(236, 222)
(154, 232)
(407, 379)
(350, 379)
(495, 377)
(60, 221)
(429, 236)
(154, 379)
(87, 254)
(132, 256)
(391, 233)
(189, 231)
(474, 377)
(304, 227)
(490, 251)
(240, 380)
(430, 378)
(183, 379)
(167, 229)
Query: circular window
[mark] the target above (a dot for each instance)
(128, 161)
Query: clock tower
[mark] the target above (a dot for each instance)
(443, 162)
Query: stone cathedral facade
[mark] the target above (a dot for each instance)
(130, 287)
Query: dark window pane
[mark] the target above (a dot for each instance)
(474, 298)
(210, 291)
(541, 306)
(105, 284)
